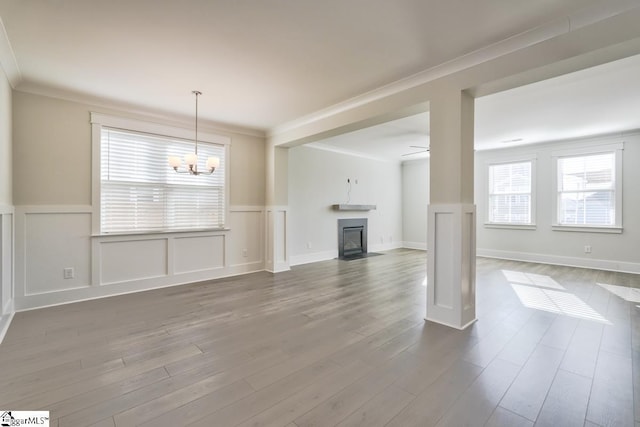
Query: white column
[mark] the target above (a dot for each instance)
(451, 245)
(277, 211)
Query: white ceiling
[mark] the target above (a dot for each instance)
(258, 63)
(598, 100)
(389, 141)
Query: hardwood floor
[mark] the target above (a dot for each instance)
(337, 343)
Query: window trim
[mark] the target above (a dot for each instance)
(617, 149)
(532, 158)
(98, 120)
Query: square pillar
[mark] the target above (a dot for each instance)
(451, 265)
(451, 243)
(277, 210)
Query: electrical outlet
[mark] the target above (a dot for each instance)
(68, 273)
(381, 239)
(587, 249)
(308, 245)
(245, 253)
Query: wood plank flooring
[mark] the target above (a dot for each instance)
(337, 343)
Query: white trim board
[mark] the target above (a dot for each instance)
(333, 254)
(5, 322)
(313, 257)
(8, 60)
(421, 246)
(6, 209)
(380, 247)
(596, 264)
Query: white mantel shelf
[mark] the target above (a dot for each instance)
(345, 207)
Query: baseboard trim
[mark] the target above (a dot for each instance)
(313, 257)
(597, 264)
(422, 246)
(278, 270)
(380, 247)
(5, 322)
(460, 328)
(333, 254)
(69, 296)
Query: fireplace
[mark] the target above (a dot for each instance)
(352, 238)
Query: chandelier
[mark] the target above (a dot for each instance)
(191, 160)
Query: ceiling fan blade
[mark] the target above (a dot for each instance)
(415, 152)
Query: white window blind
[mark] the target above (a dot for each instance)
(510, 193)
(140, 192)
(586, 190)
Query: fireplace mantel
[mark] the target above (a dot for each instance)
(344, 207)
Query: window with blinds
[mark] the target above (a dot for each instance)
(587, 190)
(140, 192)
(510, 195)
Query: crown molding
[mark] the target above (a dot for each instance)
(558, 27)
(8, 60)
(117, 107)
(354, 153)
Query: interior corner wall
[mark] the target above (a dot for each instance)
(415, 200)
(6, 179)
(318, 180)
(6, 204)
(617, 252)
(52, 184)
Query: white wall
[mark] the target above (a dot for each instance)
(53, 214)
(415, 199)
(6, 205)
(318, 179)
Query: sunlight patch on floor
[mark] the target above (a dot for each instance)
(624, 292)
(531, 279)
(560, 302)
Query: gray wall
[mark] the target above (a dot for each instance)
(318, 179)
(415, 199)
(609, 251)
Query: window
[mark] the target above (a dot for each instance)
(588, 190)
(510, 193)
(139, 192)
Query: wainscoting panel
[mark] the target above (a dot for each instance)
(126, 261)
(444, 271)
(53, 242)
(6, 260)
(192, 254)
(49, 239)
(281, 241)
(246, 242)
(6, 268)
(451, 264)
(277, 236)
